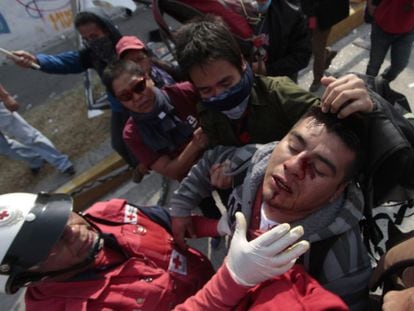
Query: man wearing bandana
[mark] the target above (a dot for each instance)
(119, 256)
(99, 37)
(238, 107)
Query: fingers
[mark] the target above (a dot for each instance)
(283, 242)
(181, 226)
(271, 236)
(333, 90)
(290, 254)
(219, 175)
(327, 80)
(345, 96)
(200, 138)
(24, 59)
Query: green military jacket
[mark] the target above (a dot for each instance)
(275, 104)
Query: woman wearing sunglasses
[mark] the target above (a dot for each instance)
(163, 131)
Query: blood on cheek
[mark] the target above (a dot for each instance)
(306, 166)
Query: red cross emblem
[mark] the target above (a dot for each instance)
(4, 214)
(177, 262)
(130, 214)
(9, 216)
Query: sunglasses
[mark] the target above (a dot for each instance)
(138, 87)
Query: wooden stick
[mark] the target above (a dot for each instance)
(8, 53)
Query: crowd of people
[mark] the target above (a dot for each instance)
(286, 163)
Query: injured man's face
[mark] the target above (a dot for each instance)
(305, 172)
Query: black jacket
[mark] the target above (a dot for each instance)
(327, 12)
(289, 48)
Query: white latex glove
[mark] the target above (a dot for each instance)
(269, 255)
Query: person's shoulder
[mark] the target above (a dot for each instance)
(273, 79)
(289, 5)
(180, 87)
(112, 209)
(269, 83)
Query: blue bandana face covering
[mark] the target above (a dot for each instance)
(234, 96)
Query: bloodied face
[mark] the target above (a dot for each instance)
(305, 172)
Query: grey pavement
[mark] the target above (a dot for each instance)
(352, 57)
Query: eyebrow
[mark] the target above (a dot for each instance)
(321, 158)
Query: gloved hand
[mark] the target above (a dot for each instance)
(269, 255)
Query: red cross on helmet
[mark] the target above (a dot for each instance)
(30, 224)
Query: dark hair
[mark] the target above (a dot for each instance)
(116, 69)
(352, 132)
(97, 17)
(206, 39)
(83, 18)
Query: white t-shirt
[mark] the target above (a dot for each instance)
(266, 223)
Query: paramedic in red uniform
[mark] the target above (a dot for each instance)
(121, 257)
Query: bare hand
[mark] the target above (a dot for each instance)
(345, 96)
(219, 177)
(11, 104)
(200, 139)
(181, 226)
(402, 300)
(24, 59)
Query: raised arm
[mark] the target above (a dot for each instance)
(62, 63)
(178, 167)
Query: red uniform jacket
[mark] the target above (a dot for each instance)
(152, 276)
(294, 291)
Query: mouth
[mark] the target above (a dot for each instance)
(282, 185)
(146, 105)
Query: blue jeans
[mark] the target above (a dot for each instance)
(381, 42)
(15, 150)
(28, 144)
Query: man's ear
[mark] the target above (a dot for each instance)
(339, 191)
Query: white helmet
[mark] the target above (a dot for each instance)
(30, 224)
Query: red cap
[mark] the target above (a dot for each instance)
(129, 43)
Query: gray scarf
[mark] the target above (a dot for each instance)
(161, 129)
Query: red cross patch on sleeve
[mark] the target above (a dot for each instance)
(178, 263)
(131, 214)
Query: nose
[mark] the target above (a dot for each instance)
(136, 97)
(68, 234)
(218, 90)
(297, 165)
